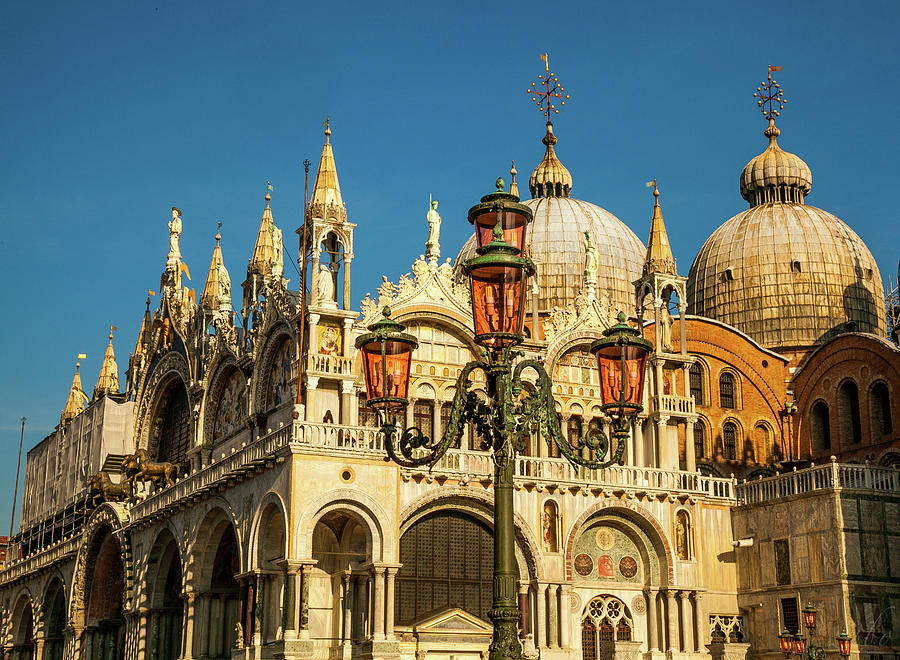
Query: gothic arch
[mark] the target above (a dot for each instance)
(363, 508)
(172, 366)
(23, 620)
(565, 343)
(224, 372)
(209, 533)
(637, 515)
(271, 501)
(262, 372)
(106, 520)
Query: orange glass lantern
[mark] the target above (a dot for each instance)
(499, 274)
(799, 644)
(387, 355)
(501, 208)
(785, 641)
(809, 616)
(621, 360)
(843, 641)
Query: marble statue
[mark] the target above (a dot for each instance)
(224, 289)
(433, 246)
(665, 327)
(325, 285)
(591, 263)
(175, 234)
(278, 252)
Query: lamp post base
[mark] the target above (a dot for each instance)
(505, 644)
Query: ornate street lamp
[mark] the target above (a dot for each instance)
(843, 641)
(785, 641)
(498, 278)
(808, 650)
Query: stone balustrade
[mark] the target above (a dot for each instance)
(673, 404)
(819, 477)
(332, 365)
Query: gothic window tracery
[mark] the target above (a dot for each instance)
(606, 620)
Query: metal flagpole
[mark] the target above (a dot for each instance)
(12, 516)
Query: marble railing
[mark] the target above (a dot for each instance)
(13, 569)
(820, 477)
(364, 441)
(330, 364)
(670, 403)
(224, 467)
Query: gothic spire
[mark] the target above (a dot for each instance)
(326, 201)
(108, 380)
(264, 249)
(217, 291)
(75, 402)
(659, 253)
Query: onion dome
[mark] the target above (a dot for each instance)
(785, 273)
(550, 178)
(555, 241)
(775, 175)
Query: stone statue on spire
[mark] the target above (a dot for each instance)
(591, 263)
(277, 252)
(433, 246)
(174, 238)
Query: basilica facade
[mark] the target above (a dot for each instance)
(761, 474)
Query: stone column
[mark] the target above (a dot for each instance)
(248, 608)
(700, 639)
(39, 647)
(665, 450)
(565, 611)
(540, 624)
(435, 419)
(188, 635)
(410, 407)
(652, 622)
(553, 618)
(390, 574)
(672, 637)
(639, 443)
(259, 610)
(524, 622)
(303, 610)
(348, 609)
(314, 276)
(347, 260)
(690, 455)
(681, 637)
(378, 606)
(312, 382)
(348, 348)
(289, 600)
(682, 311)
(348, 404)
(687, 623)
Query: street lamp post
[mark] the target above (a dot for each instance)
(797, 644)
(497, 279)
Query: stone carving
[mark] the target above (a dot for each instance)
(628, 566)
(325, 286)
(583, 564)
(278, 256)
(591, 262)
(433, 246)
(174, 239)
(665, 327)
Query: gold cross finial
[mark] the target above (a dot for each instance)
(770, 96)
(552, 90)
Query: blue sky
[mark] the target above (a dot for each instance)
(115, 111)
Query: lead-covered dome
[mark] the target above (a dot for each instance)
(785, 273)
(555, 241)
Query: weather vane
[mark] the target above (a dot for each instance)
(771, 97)
(552, 90)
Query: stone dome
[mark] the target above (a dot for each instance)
(785, 273)
(555, 241)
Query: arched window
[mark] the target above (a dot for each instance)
(696, 377)
(588, 640)
(759, 449)
(423, 414)
(606, 620)
(684, 535)
(820, 426)
(174, 432)
(848, 412)
(729, 441)
(880, 408)
(699, 440)
(574, 430)
(447, 561)
(726, 390)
